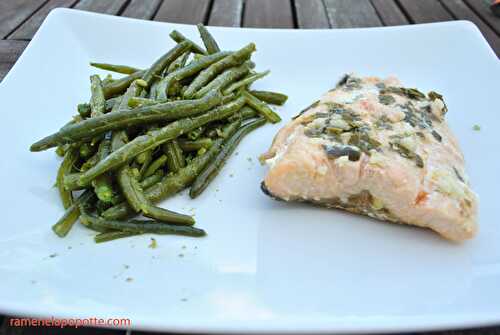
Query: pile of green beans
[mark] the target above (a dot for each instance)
(154, 132)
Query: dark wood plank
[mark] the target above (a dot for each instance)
(142, 9)
(389, 12)
(10, 51)
(482, 8)
(183, 11)
(424, 11)
(268, 14)
(15, 12)
(462, 12)
(112, 7)
(311, 14)
(345, 14)
(226, 13)
(30, 26)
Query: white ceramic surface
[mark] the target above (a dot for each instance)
(265, 265)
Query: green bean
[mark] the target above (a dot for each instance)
(245, 113)
(245, 82)
(139, 202)
(135, 102)
(187, 71)
(272, 98)
(195, 133)
(155, 165)
(146, 163)
(69, 160)
(155, 138)
(83, 110)
(143, 226)
(261, 108)
(153, 179)
(131, 189)
(224, 79)
(120, 85)
(125, 118)
(86, 150)
(65, 223)
(213, 70)
(178, 63)
(174, 156)
(142, 157)
(164, 61)
(169, 185)
(187, 145)
(213, 168)
(179, 38)
(103, 185)
(208, 40)
(164, 215)
(115, 68)
(108, 79)
(97, 100)
(112, 235)
(229, 129)
(70, 182)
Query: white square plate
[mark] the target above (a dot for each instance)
(266, 266)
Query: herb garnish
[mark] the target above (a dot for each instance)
(386, 99)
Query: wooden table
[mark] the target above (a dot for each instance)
(20, 19)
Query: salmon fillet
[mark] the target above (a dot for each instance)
(372, 147)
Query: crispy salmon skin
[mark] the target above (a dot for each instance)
(373, 147)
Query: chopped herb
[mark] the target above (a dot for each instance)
(153, 244)
(184, 299)
(53, 255)
(181, 255)
(476, 127)
(380, 86)
(406, 153)
(386, 99)
(421, 134)
(411, 93)
(383, 123)
(436, 136)
(352, 83)
(434, 95)
(361, 139)
(337, 151)
(459, 176)
(129, 279)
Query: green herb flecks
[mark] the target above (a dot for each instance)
(407, 153)
(411, 93)
(336, 151)
(386, 99)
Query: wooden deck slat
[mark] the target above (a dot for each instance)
(141, 9)
(311, 14)
(349, 14)
(462, 12)
(183, 11)
(112, 7)
(482, 8)
(9, 53)
(268, 14)
(226, 13)
(29, 28)
(424, 11)
(14, 12)
(389, 12)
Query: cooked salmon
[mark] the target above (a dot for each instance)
(373, 147)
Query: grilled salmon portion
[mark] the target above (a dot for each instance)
(373, 147)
